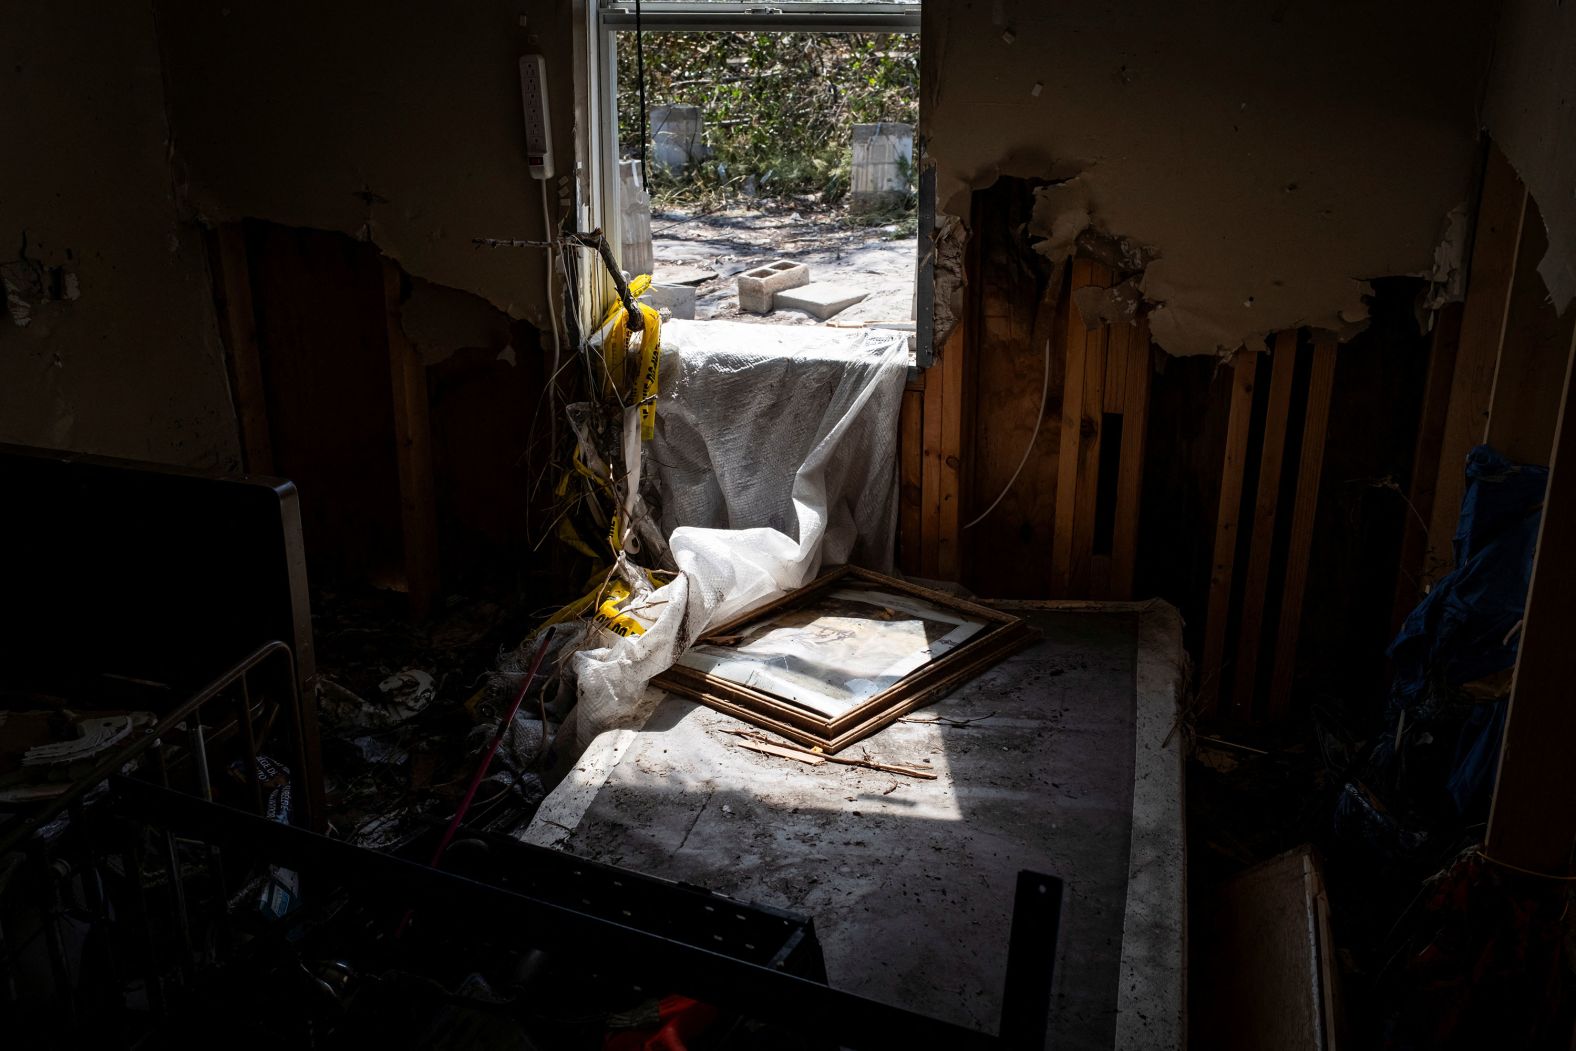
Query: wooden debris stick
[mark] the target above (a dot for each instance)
(1130, 469)
(246, 365)
(413, 451)
(1496, 241)
(911, 441)
(1072, 421)
(794, 751)
(1283, 365)
(1222, 563)
(1321, 383)
(798, 756)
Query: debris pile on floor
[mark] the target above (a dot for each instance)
(406, 712)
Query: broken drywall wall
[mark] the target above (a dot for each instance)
(108, 343)
(1531, 112)
(397, 122)
(440, 321)
(1257, 164)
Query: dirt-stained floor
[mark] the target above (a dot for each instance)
(709, 249)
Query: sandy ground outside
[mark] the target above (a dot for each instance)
(709, 250)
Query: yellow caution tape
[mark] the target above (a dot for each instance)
(616, 344)
(650, 359)
(610, 614)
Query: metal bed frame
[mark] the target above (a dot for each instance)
(760, 962)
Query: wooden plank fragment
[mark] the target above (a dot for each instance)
(799, 755)
(246, 365)
(1321, 383)
(413, 450)
(1495, 245)
(1283, 365)
(1532, 823)
(1243, 367)
(1071, 422)
(911, 442)
(1130, 470)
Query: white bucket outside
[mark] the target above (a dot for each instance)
(634, 205)
(675, 137)
(881, 153)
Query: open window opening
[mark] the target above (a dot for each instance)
(762, 165)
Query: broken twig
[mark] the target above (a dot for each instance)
(597, 242)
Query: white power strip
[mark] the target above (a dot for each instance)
(538, 137)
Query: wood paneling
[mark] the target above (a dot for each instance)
(1016, 324)
(413, 453)
(1321, 384)
(910, 477)
(1090, 428)
(930, 471)
(1266, 503)
(1532, 824)
(322, 334)
(1137, 375)
(1222, 573)
(1074, 389)
(1525, 404)
(1495, 246)
(1425, 462)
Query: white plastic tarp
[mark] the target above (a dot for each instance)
(775, 454)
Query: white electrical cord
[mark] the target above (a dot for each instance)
(548, 234)
(1039, 417)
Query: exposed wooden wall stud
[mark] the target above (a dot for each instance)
(1321, 384)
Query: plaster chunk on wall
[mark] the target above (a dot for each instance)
(1065, 223)
(1271, 205)
(1061, 214)
(1107, 306)
(1447, 278)
(1183, 332)
(441, 320)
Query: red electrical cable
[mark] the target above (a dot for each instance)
(481, 768)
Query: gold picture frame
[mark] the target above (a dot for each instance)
(847, 654)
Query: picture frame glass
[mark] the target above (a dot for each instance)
(838, 649)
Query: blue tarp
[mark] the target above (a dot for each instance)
(1463, 628)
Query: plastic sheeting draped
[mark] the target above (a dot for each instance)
(775, 454)
(1464, 628)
